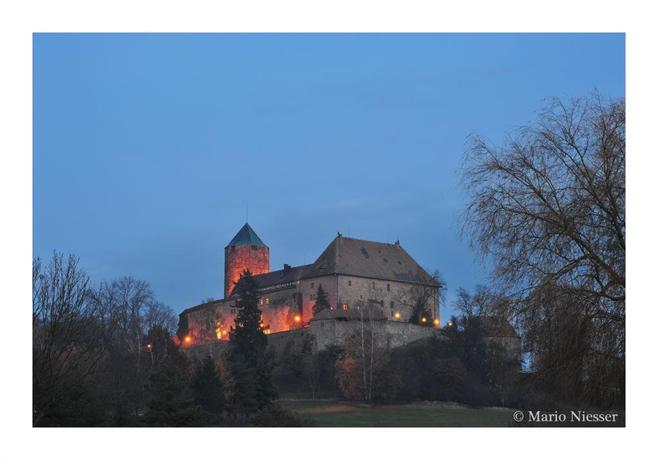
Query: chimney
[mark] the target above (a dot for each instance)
(286, 268)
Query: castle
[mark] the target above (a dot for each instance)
(363, 280)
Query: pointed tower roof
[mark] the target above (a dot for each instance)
(246, 236)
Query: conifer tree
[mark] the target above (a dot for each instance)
(170, 403)
(321, 301)
(207, 387)
(250, 371)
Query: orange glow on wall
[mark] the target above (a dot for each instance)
(239, 258)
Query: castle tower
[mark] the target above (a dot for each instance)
(245, 251)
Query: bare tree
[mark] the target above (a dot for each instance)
(483, 302)
(548, 207)
(66, 346)
(126, 305)
(550, 203)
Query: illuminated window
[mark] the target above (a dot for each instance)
(345, 307)
(267, 300)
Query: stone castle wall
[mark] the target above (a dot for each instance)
(281, 304)
(322, 333)
(387, 334)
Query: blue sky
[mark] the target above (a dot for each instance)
(149, 148)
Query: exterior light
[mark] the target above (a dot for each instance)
(449, 323)
(423, 320)
(437, 322)
(396, 315)
(149, 346)
(298, 318)
(187, 339)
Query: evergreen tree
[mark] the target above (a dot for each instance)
(207, 387)
(170, 403)
(321, 301)
(250, 369)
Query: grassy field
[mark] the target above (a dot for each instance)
(345, 414)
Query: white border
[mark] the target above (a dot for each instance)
(19, 20)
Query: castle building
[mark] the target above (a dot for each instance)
(362, 279)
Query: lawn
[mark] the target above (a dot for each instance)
(345, 414)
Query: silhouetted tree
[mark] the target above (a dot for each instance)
(548, 207)
(250, 382)
(66, 344)
(207, 387)
(170, 401)
(321, 300)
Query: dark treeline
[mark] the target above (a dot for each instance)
(108, 356)
(458, 367)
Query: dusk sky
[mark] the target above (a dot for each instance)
(149, 148)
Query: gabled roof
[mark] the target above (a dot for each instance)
(287, 275)
(370, 259)
(246, 236)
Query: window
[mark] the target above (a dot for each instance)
(391, 305)
(345, 307)
(254, 247)
(388, 287)
(312, 285)
(267, 300)
(373, 285)
(312, 296)
(349, 282)
(233, 311)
